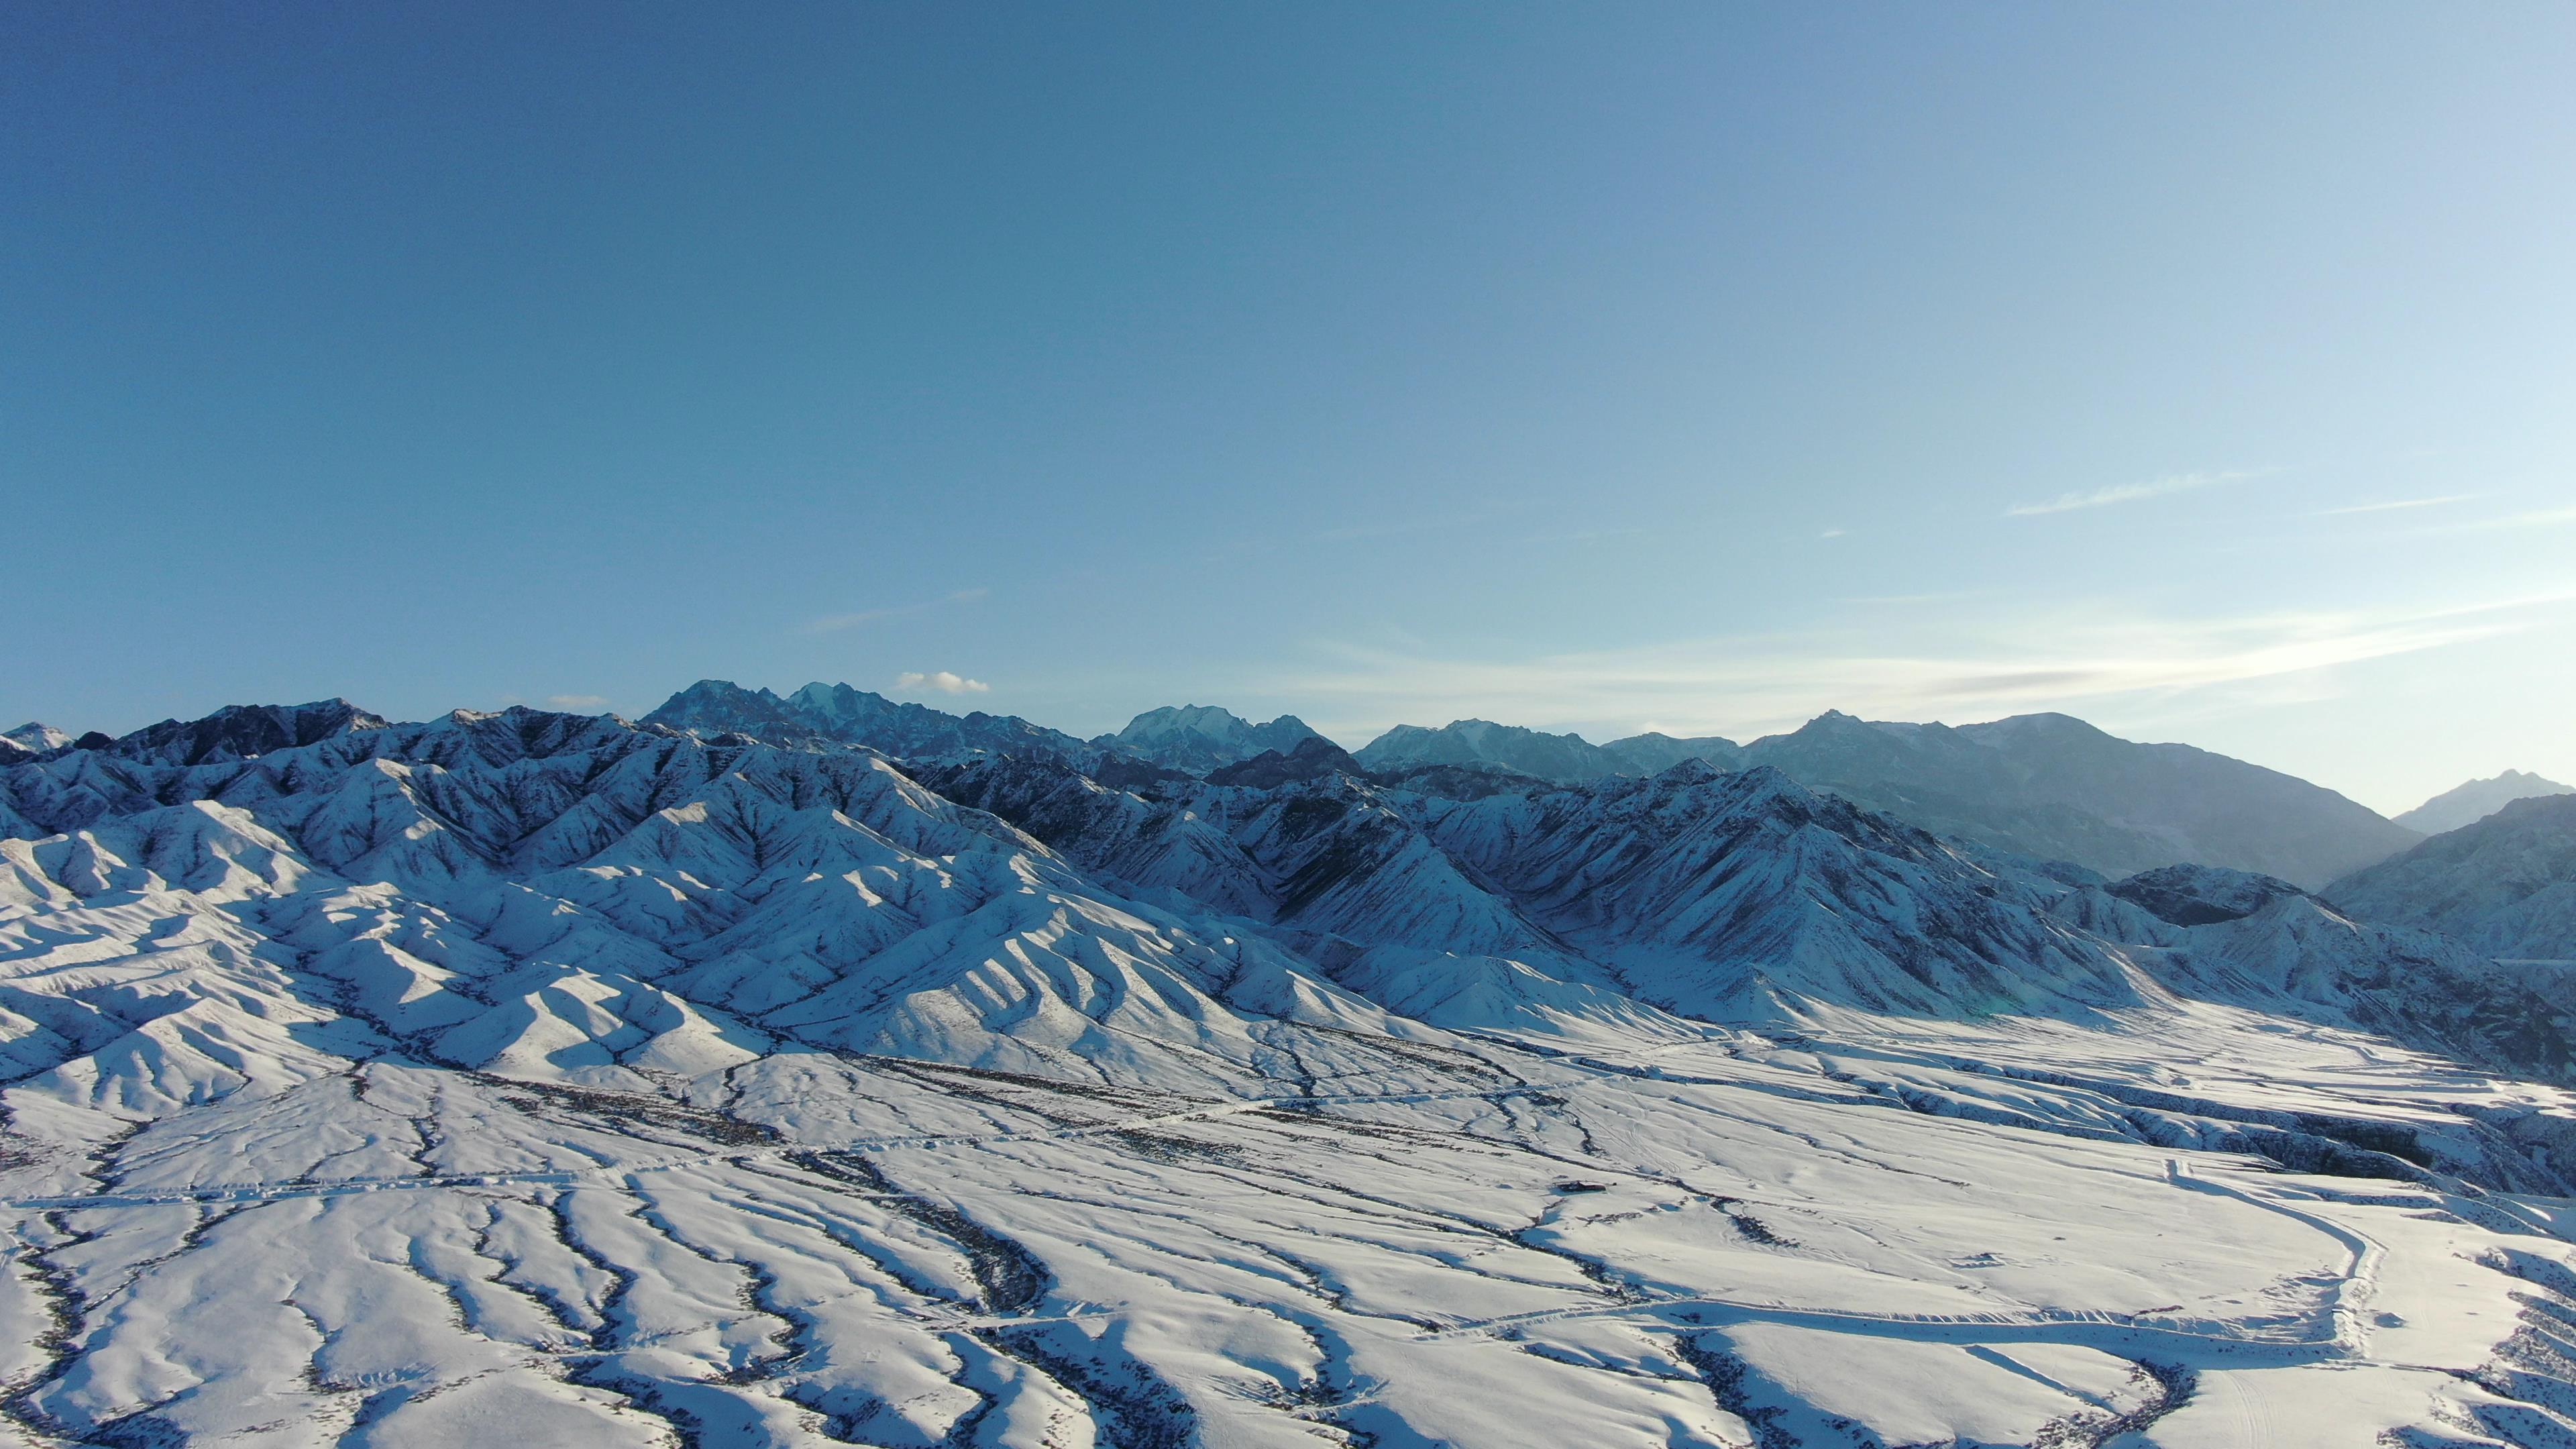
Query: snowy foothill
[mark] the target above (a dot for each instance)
(563, 1080)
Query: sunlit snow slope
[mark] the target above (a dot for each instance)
(542, 1079)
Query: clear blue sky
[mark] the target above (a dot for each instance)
(2207, 371)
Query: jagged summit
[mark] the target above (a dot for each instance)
(2466, 804)
(842, 714)
(238, 732)
(1198, 738)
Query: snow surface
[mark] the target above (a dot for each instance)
(555, 1080)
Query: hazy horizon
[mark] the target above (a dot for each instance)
(965, 701)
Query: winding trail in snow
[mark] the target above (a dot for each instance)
(2343, 1333)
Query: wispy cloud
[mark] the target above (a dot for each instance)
(2135, 492)
(1475, 515)
(576, 701)
(942, 681)
(1743, 685)
(2534, 518)
(2394, 505)
(834, 623)
(1941, 597)
(1832, 533)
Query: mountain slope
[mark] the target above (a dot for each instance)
(2504, 884)
(1746, 896)
(2231, 936)
(2476, 800)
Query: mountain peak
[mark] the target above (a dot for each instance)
(1314, 758)
(243, 731)
(1199, 738)
(2464, 804)
(1565, 759)
(37, 737)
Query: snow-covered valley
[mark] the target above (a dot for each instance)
(551, 1079)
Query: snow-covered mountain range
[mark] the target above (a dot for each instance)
(2046, 786)
(821, 1069)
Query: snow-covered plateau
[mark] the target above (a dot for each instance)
(548, 1079)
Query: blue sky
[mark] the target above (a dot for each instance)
(2207, 373)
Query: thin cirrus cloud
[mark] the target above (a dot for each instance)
(2137, 492)
(576, 701)
(2535, 518)
(2395, 505)
(942, 681)
(1747, 685)
(834, 623)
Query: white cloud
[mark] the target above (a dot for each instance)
(2133, 492)
(942, 681)
(1831, 533)
(1748, 685)
(576, 701)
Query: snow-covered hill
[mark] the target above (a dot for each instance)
(553, 1079)
(2504, 884)
(2466, 804)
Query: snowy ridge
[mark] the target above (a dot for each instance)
(837, 714)
(571, 1081)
